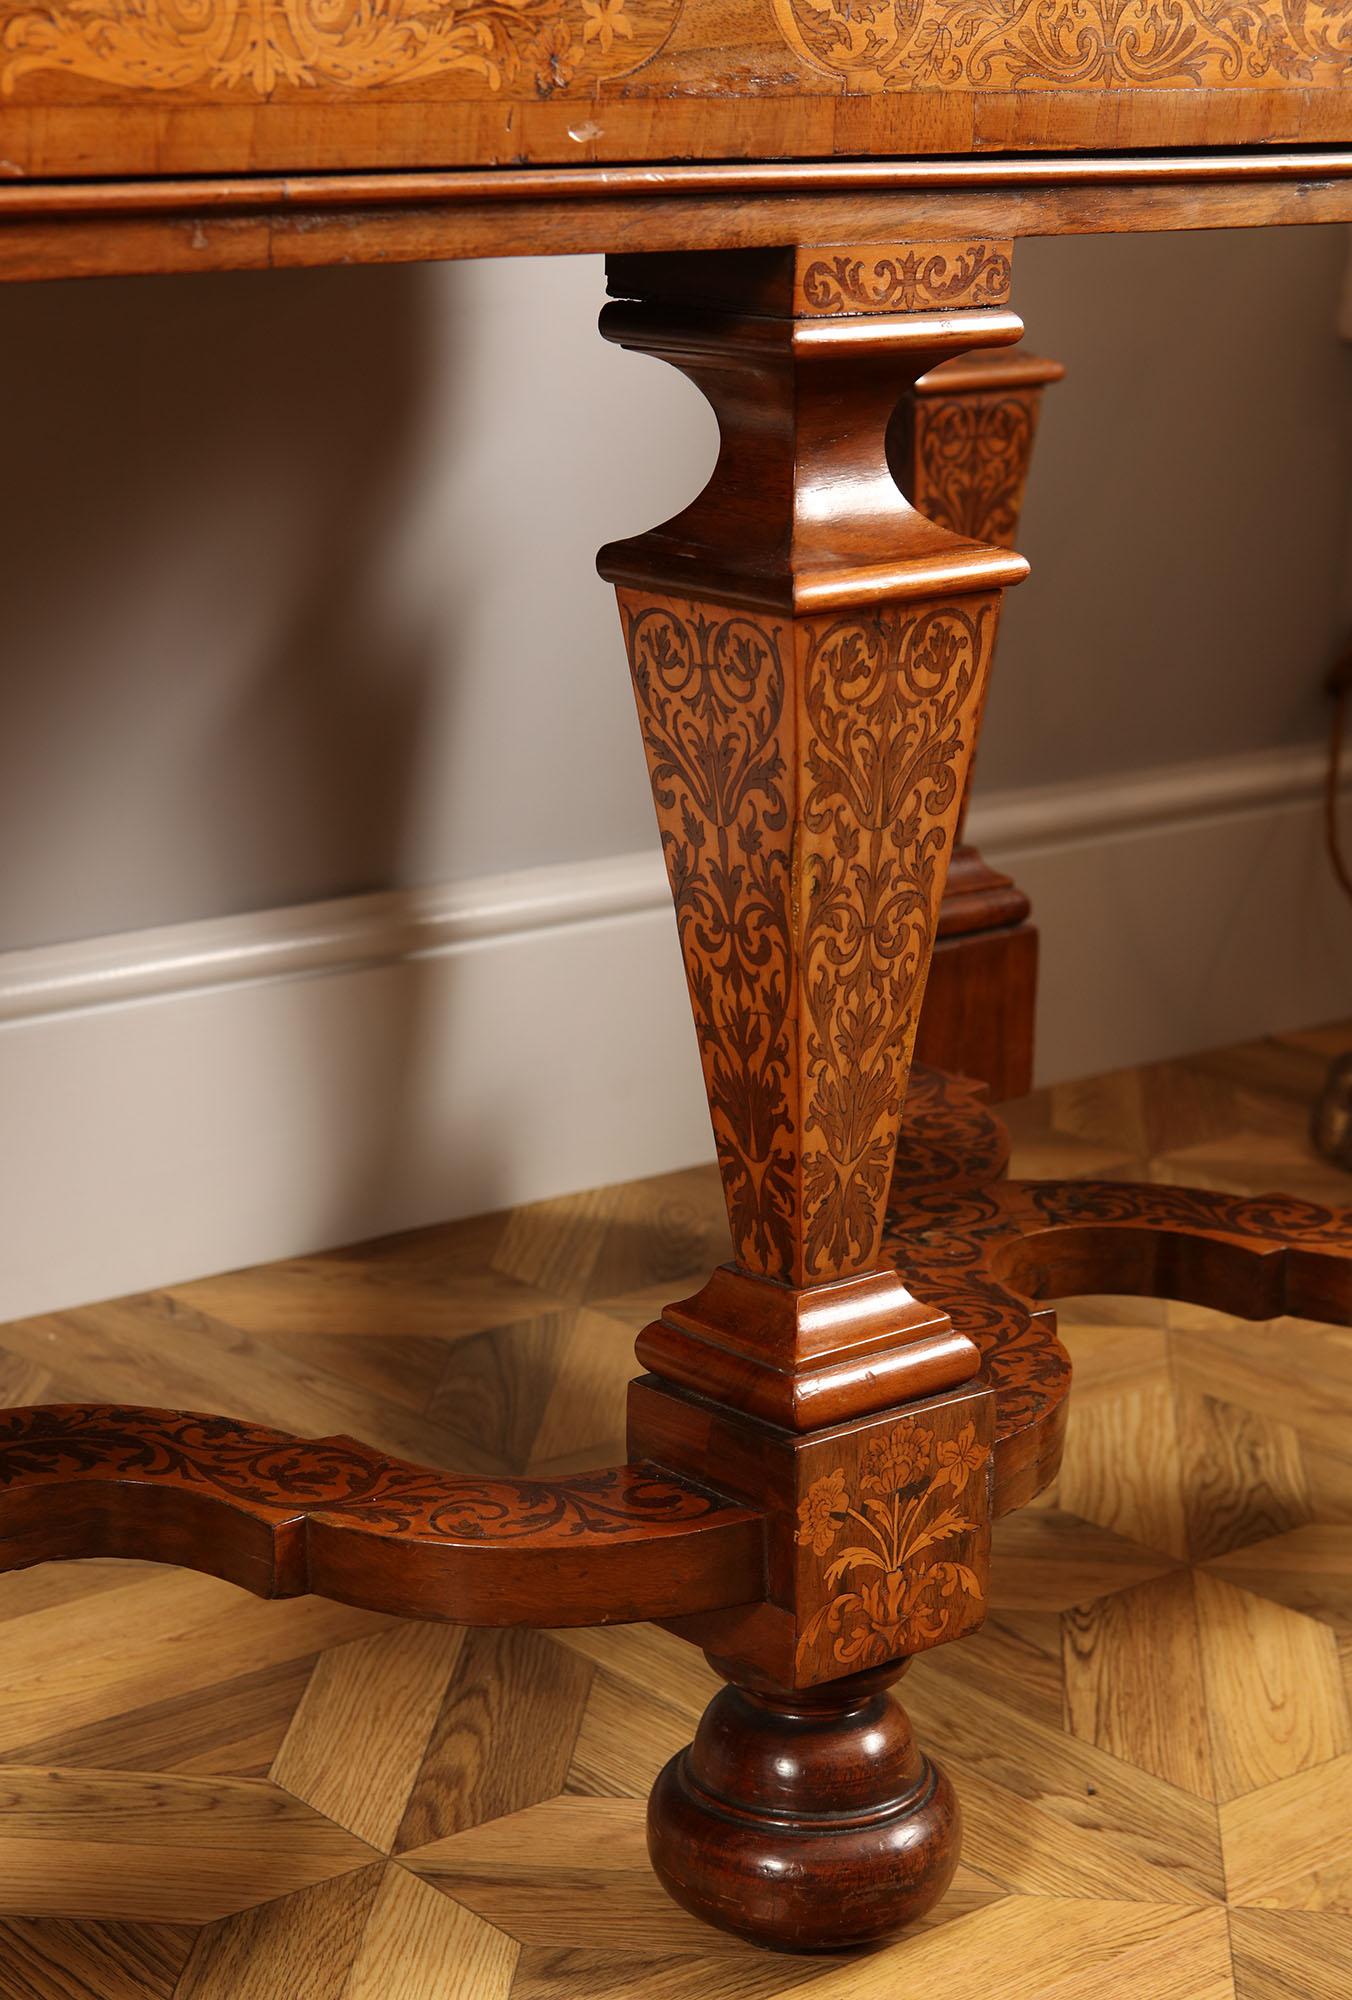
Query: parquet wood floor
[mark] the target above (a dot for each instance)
(203, 1797)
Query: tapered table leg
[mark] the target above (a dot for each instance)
(962, 447)
(809, 654)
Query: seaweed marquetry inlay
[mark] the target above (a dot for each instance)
(966, 45)
(259, 47)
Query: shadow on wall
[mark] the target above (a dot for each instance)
(211, 693)
(198, 647)
(299, 602)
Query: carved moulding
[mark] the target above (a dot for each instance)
(223, 48)
(974, 45)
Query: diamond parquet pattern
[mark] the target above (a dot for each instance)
(203, 1797)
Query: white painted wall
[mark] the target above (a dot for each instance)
(298, 585)
(297, 567)
(299, 605)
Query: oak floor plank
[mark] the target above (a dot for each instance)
(1287, 1847)
(1122, 1468)
(1289, 1371)
(232, 1728)
(1114, 1344)
(504, 1736)
(1246, 1477)
(169, 1634)
(47, 1586)
(1047, 1559)
(1275, 1699)
(1122, 1830)
(303, 1946)
(547, 1973)
(652, 1662)
(1309, 1569)
(420, 1945)
(1013, 1649)
(46, 1959)
(438, 1282)
(496, 1385)
(128, 1846)
(1044, 1948)
(556, 1245)
(569, 1872)
(359, 1736)
(1291, 1954)
(624, 1739)
(1133, 1681)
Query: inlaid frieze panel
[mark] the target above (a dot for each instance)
(909, 278)
(974, 45)
(256, 48)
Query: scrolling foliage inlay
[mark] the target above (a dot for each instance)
(906, 280)
(807, 776)
(1072, 44)
(268, 1471)
(971, 461)
(261, 46)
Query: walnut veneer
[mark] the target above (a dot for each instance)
(812, 212)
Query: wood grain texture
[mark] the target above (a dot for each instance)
(100, 1843)
(1274, 1689)
(82, 1961)
(259, 222)
(238, 87)
(380, 1698)
(1291, 1954)
(1133, 1677)
(1281, 1848)
(1087, 1875)
(1248, 1481)
(511, 1688)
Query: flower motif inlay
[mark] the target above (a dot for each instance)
(263, 46)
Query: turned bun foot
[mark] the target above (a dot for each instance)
(808, 1821)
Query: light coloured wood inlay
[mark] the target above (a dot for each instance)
(509, 1769)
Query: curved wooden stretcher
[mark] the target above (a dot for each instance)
(825, 1432)
(280, 1515)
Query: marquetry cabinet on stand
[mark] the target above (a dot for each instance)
(813, 210)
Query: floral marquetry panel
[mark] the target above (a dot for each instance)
(989, 45)
(253, 49)
(231, 87)
(892, 1536)
(807, 776)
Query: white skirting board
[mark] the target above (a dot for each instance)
(191, 1099)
